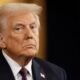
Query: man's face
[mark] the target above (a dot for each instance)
(21, 35)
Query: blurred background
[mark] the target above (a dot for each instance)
(59, 34)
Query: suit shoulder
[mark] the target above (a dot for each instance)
(47, 64)
(52, 68)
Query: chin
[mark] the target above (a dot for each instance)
(30, 53)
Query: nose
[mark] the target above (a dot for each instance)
(28, 33)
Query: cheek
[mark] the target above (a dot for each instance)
(37, 39)
(13, 41)
(36, 35)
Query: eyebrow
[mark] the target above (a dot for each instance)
(33, 23)
(21, 23)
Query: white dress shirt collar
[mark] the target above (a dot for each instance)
(15, 67)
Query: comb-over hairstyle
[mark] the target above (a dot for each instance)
(20, 6)
(15, 7)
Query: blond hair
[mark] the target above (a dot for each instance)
(15, 7)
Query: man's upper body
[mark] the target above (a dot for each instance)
(41, 70)
(19, 41)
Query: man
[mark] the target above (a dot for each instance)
(19, 41)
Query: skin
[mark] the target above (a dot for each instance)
(21, 37)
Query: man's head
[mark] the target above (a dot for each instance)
(19, 29)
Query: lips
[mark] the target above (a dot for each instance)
(30, 46)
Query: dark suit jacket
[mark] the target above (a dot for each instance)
(42, 70)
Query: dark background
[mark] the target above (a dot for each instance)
(63, 33)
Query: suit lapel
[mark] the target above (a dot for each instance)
(5, 71)
(38, 73)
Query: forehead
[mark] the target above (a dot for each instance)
(22, 16)
(11, 18)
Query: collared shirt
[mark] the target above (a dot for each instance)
(15, 67)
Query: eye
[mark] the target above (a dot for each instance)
(19, 27)
(33, 26)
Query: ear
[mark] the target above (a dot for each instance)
(2, 42)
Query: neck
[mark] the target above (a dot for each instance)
(21, 60)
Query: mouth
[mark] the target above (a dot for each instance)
(30, 46)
